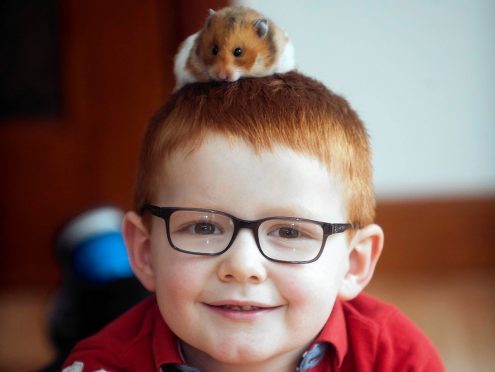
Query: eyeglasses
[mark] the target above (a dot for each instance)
(210, 233)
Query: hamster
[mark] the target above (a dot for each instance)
(234, 42)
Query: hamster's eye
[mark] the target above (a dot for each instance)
(214, 50)
(237, 52)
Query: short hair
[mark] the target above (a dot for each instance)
(289, 109)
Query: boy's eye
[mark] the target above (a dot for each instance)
(287, 233)
(199, 228)
(205, 228)
(292, 231)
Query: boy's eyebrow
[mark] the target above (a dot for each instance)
(289, 211)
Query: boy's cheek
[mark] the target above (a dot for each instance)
(314, 286)
(176, 279)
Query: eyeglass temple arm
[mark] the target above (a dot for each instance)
(341, 227)
(151, 208)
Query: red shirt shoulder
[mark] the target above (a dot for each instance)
(381, 338)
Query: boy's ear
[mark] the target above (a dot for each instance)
(366, 248)
(137, 240)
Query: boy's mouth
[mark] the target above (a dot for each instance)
(241, 312)
(240, 307)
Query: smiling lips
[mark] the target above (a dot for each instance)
(241, 312)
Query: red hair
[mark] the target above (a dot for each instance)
(289, 109)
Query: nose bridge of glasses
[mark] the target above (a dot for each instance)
(246, 224)
(240, 224)
(244, 242)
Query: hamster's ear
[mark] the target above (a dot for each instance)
(366, 248)
(211, 13)
(261, 26)
(137, 240)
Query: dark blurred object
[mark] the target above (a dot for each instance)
(29, 59)
(98, 284)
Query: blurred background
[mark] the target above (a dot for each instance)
(80, 79)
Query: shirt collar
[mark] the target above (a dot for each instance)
(334, 332)
(165, 343)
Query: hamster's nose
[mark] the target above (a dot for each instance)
(224, 74)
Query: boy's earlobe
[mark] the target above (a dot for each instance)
(366, 248)
(137, 240)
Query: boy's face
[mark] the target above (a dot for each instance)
(293, 301)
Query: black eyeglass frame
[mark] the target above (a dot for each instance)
(253, 225)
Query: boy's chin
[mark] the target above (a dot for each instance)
(239, 354)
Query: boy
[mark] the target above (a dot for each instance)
(254, 227)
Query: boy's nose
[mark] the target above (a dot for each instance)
(243, 261)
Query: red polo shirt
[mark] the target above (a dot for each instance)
(360, 335)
